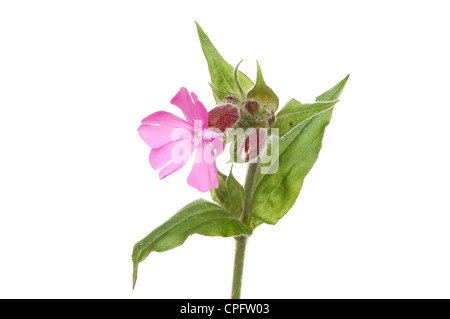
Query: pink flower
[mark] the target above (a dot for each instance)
(173, 140)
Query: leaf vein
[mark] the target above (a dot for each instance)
(290, 168)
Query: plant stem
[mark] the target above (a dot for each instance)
(248, 191)
(241, 242)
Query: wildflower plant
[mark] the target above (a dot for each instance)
(279, 147)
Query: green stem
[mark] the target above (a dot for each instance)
(248, 191)
(241, 242)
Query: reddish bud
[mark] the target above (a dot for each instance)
(252, 107)
(271, 120)
(231, 99)
(223, 117)
(253, 144)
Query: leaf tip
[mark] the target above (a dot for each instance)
(134, 278)
(346, 78)
(199, 28)
(259, 76)
(258, 68)
(135, 259)
(231, 170)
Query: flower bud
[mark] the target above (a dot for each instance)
(271, 120)
(254, 144)
(252, 107)
(231, 99)
(223, 117)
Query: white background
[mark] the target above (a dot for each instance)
(77, 191)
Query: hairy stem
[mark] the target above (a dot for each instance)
(241, 242)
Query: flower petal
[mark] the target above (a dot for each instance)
(162, 127)
(199, 177)
(159, 157)
(214, 177)
(219, 146)
(169, 169)
(211, 135)
(192, 110)
(201, 114)
(166, 118)
(177, 153)
(204, 175)
(215, 139)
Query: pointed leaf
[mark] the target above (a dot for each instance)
(294, 112)
(219, 195)
(236, 79)
(221, 71)
(334, 92)
(223, 97)
(262, 93)
(299, 147)
(230, 194)
(200, 217)
(235, 195)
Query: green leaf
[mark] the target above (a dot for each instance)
(276, 193)
(334, 92)
(219, 195)
(221, 71)
(221, 97)
(255, 222)
(262, 93)
(236, 79)
(230, 194)
(235, 195)
(200, 217)
(295, 112)
(299, 147)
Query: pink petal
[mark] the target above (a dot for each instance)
(177, 153)
(219, 146)
(213, 175)
(199, 177)
(166, 118)
(203, 175)
(193, 111)
(159, 157)
(215, 139)
(211, 135)
(161, 128)
(200, 110)
(169, 169)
